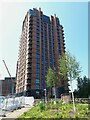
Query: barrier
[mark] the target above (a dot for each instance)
(29, 101)
(10, 104)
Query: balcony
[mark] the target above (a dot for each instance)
(28, 86)
(29, 76)
(29, 61)
(63, 43)
(62, 33)
(30, 43)
(30, 47)
(30, 36)
(63, 37)
(61, 26)
(30, 25)
(29, 71)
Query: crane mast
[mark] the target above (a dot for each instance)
(13, 82)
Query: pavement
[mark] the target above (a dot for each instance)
(15, 114)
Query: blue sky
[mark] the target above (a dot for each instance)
(73, 16)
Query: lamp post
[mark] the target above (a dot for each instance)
(55, 87)
(45, 96)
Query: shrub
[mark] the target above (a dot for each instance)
(42, 106)
(49, 110)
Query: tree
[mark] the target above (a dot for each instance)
(83, 85)
(69, 69)
(51, 80)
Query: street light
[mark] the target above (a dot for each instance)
(54, 87)
(45, 96)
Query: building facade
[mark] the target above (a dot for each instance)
(41, 44)
(6, 86)
(0, 87)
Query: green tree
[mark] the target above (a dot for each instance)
(51, 80)
(83, 85)
(69, 69)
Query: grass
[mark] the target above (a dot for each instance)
(60, 110)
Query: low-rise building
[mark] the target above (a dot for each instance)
(6, 86)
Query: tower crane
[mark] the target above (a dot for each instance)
(13, 82)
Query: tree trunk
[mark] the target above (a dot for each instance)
(55, 94)
(74, 108)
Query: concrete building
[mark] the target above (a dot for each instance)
(6, 86)
(0, 87)
(41, 44)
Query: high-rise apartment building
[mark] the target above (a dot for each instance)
(41, 44)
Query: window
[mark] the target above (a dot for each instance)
(38, 43)
(46, 19)
(59, 51)
(38, 47)
(46, 72)
(37, 26)
(42, 58)
(42, 62)
(42, 81)
(37, 75)
(31, 12)
(37, 86)
(37, 35)
(37, 92)
(58, 41)
(42, 44)
(38, 70)
(42, 66)
(42, 71)
(42, 77)
(37, 81)
(46, 67)
(51, 65)
(37, 30)
(50, 55)
(43, 87)
(38, 60)
(54, 64)
(37, 38)
(37, 22)
(42, 52)
(38, 51)
(50, 51)
(38, 66)
(37, 55)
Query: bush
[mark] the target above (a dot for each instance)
(42, 106)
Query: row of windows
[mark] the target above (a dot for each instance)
(43, 29)
(45, 38)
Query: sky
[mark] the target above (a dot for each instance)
(72, 15)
